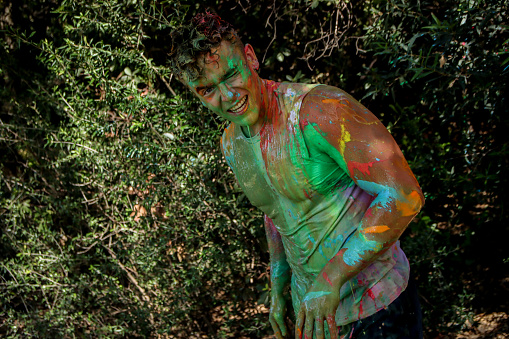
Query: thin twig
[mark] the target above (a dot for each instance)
(75, 144)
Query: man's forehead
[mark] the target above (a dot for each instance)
(218, 62)
(226, 52)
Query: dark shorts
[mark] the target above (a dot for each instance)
(402, 319)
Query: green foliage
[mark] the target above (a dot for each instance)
(443, 74)
(118, 215)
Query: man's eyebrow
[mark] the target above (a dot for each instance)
(225, 76)
(229, 73)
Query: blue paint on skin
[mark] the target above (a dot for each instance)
(320, 250)
(329, 243)
(294, 217)
(385, 195)
(356, 247)
(314, 295)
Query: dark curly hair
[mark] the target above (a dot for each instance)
(189, 42)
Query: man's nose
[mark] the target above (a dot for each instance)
(227, 93)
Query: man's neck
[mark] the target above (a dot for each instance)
(267, 97)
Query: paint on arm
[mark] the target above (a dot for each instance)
(365, 150)
(279, 268)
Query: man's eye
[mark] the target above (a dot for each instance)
(233, 74)
(206, 91)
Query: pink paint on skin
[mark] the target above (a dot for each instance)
(326, 277)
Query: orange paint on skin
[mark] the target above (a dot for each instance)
(376, 229)
(331, 101)
(410, 205)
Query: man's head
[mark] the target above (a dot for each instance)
(209, 58)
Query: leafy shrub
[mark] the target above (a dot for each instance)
(118, 215)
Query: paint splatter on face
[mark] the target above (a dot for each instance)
(229, 85)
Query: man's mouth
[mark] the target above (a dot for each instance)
(240, 107)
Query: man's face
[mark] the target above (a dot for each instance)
(229, 85)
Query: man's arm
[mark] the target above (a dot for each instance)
(336, 124)
(279, 277)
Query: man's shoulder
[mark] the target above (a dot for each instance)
(228, 136)
(325, 100)
(325, 94)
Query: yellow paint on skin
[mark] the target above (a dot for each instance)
(345, 137)
(376, 229)
(410, 205)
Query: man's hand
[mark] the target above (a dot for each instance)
(317, 309)
(277, 314)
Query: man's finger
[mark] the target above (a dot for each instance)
(299, 326)
(319, 330)
(281, 324)
(308, 331)
(275, 327)
(333, 329)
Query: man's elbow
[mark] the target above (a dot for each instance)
(411, 204)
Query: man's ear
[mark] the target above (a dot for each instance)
(252, 60)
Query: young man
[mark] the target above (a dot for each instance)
(336, 191)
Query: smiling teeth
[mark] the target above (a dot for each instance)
(238, 107)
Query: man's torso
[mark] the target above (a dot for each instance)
(312, 201)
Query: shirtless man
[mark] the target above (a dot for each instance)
(336, 191)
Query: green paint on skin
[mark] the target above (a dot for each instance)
(278, 269)
(296, 159)
(325, 174)
(314, 295)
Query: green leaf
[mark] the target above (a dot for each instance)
(436, 19)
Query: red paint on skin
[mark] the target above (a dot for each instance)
(326, 277)
(369, 213)
(306, 194)
(303, 123)
(362, 167)
(267, 133)
(372, 296)
(340, 253)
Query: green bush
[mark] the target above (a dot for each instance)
(118, 215)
